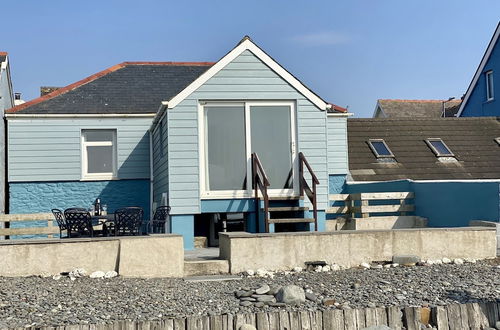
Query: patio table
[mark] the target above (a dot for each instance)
(105, 220)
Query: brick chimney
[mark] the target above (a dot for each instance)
(44, 90)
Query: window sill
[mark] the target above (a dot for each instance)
(489, 101)
(99, 178)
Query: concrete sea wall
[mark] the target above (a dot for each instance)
(159, 255)
(283, 251)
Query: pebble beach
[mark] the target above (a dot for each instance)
(45, 301)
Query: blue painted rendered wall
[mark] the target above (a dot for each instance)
(451, 204)
(477, 104)
(336, 183)
(38, 197)
(445, 204)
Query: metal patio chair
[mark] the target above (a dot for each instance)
(157, 225)
(128, 221)
(61, 222)
(78, 222)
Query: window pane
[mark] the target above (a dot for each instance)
(100, 159)
(440, 147)
(380, 148)
(489, 85)
(93, 135)
(226, 150)
(271, 139)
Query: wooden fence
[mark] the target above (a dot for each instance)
(451, 317)
(366, 204)
(6, 221)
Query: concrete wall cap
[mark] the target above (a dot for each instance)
(340, 232)
(80, 240)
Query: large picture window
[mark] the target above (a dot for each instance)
(231, 132)
(99, 154)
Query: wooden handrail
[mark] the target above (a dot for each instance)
(304, 186)
(260, 182)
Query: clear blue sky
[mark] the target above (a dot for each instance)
(350, 52)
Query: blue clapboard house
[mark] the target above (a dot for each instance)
(482, 96)
(202, 138)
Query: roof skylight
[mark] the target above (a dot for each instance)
(380, 148)
(439, 148)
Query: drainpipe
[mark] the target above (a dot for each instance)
(151, 178)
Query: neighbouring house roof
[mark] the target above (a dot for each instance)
(3, 56)
(126, 88)
(415, 108)
(471, 140)
(480, 68)
(336, 108)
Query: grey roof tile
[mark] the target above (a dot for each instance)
(130, 87)
(472, 140)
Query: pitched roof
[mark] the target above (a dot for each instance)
(472, 140)
(129, 87)
(416, 108)
(247, 44)
(482, 64)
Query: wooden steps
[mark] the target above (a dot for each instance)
(292, 220)
(286, 198)
(287, 209)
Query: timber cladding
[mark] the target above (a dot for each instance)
(455, 316)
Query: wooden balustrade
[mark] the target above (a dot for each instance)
(365, 204)
(8, 219)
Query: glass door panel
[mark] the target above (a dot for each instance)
(225, 148)
(271, 139)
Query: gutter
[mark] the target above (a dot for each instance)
(97, 115)
(340, 114)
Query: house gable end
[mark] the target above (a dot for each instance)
(475, 103)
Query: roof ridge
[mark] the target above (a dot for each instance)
(4, 53)
(422, 101)
(67, 88)
(168, 63)
(96, 76)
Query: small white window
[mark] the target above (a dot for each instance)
(99, 154)
(490, 95)
(380, 148)
(439, 148)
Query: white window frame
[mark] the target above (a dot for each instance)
(435, 151)
(391, 155)
(84, 144)
(205, 193)
(490, 94)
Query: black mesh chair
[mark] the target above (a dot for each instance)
(61, 222)
(128, 221)
(157, 225)
(78, 222)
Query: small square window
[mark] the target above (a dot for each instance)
(380, 148)
(439, 148)
(490, 95)
(99, 154)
